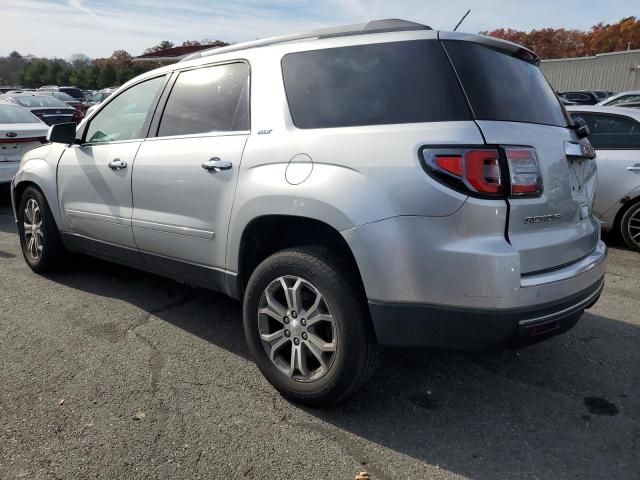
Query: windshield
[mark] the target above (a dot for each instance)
(502, 87)
(625, 99)
(35, 101)
(14, 114)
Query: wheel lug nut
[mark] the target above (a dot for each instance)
(294, 314)
(296, 341)
(287, 333)
(304, 335)
(303, 322)
(286, 319)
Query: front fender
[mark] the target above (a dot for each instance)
(42, 173)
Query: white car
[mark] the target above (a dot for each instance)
(615, 134)
(20, 131)
(624, 99)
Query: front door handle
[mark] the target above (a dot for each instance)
(214, 165)
(635, 168)
(117, 164)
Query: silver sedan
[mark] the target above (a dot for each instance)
(615, 134)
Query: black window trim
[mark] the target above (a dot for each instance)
(154, 127)
(615, 115)
(81, 134)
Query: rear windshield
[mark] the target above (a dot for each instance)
(14, 114)
(385, 83)
(39, 101)
(502, 87)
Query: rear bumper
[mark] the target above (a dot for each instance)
(478, 329)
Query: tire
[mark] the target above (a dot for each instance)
(47, 254)
(630, 226)
(345, 326)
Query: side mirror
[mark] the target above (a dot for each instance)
(581, 128)
(62, 133)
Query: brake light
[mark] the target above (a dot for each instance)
(482, 171)
(487, 172)
(525, 171)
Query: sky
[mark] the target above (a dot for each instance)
(60, 28)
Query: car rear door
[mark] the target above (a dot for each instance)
(515, 107)
(616, 139)
(184, 177)
(94, 177)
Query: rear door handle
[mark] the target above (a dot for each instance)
(635, 168)
(214, 165)
(117, 164)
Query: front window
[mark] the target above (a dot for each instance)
(125, 117)
(625, 99)
(611, 132)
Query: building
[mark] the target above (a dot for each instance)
(616, 71)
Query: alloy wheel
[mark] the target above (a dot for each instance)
(633, 228)
(297, 328)
(32, 229)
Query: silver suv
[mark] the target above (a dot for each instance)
(378, 184)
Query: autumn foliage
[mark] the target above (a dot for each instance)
(562, 43)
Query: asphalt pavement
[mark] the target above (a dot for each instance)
(107, 372)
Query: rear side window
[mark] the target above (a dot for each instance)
(210, 99)
(502, 87)
(611, 131)
(386, 83)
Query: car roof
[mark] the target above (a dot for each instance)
(629, 112)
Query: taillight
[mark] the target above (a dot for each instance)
(486, 171)
(525, 171)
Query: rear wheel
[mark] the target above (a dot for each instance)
(630, 227)
(307, 326)
(39, 236)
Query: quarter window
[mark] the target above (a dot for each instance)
(611, 131)
(210, 99)
(126, 115)
(386, 83)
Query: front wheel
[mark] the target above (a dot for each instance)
(630, 227)
(307, 326)
(39, 236)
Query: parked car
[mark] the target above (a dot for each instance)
(615, 134)
(20, 131)
(581, 97)
(75, 92)
(47, 108)
(7, 88)
(100, 96)
(624, 99)
(68, 99)
(347, 201)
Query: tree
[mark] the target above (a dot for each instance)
(190, 43)
(559, 43)
(121, 59)
(15, 54)
(107, 76)
(163, 45)
(79, 60)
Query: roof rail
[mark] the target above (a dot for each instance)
(374, 26)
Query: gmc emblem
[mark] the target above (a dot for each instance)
(554, 217)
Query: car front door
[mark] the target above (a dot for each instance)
(94, 177)
(184, 177)
(616, 139)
